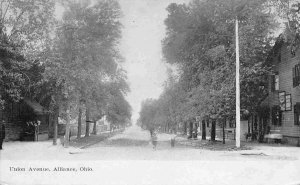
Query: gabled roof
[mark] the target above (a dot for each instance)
(36, 107)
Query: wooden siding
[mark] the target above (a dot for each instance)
(15, 116)
(229, 130)
(285, 71)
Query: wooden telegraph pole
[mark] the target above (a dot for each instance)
(237, 86)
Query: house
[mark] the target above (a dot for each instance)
(280, 110)
(103, 124)
(25, 120)
(229, 128)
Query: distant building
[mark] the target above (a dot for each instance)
(103, 124)
(229, 128)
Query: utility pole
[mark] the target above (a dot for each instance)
(237, 86)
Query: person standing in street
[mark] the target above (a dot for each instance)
(154, 140)
(2, 134)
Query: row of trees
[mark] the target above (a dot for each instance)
(70, 65)
(200, 43)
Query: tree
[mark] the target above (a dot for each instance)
(84, 57)
(98, 34)
(200, 43)
(24, 33)
(27, 24)
(118, 110)
(289, 13)
(147, 113)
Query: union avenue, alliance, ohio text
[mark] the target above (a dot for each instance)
(55, 169)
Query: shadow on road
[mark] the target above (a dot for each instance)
(125, 142)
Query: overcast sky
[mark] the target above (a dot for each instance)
(143, 31)
(141, 46)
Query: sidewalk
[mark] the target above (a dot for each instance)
(85, 142)
(213, 145)
(250, 149)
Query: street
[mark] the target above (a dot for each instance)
(147, 92)
(128, 158)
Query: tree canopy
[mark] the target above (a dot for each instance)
(200, 43)
(69, 64)
(85, 59)
(24, 33)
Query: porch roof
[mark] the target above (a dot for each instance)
(36, 107)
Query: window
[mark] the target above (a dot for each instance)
(232, 122)
(276, 115)
(296, 75)
(297, 114)
(275, 82)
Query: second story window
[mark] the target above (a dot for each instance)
(297, 114)
(296, 75)
(275, 82)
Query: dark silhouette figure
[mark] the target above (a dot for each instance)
(154, 140)
(2, 134)
(151, 132)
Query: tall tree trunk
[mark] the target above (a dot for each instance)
(95, 128)
(213, 130)
(79, 123)
(87, 120)
(67, 133)
(191, 129)
(224, 125)
(249, 124)
(55, 124)
(184, 128)
(252, 128)
(260, 129)
(196, 130)
(203, 130)
(49, 122)
(168, 127)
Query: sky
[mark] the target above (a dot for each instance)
(143, 31)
